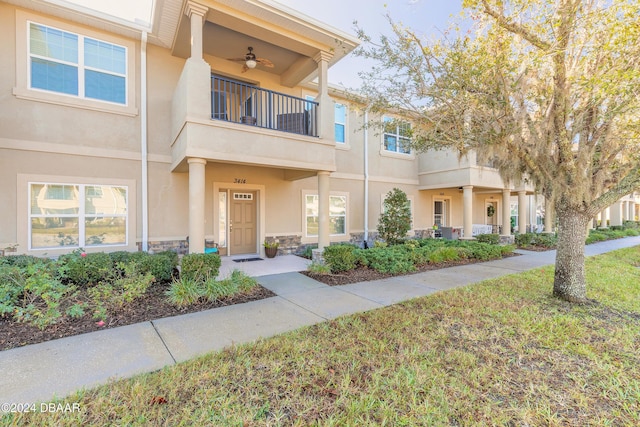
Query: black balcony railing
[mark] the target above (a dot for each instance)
(238, 102)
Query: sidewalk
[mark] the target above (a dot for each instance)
(58, 368)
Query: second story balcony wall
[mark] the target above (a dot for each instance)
(238, 102)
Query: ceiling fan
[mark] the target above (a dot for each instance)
(250, 61)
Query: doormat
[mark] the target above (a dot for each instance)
(247, 259)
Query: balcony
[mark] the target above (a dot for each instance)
(238, 102)
(227, 121)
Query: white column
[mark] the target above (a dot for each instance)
(549, 215)
(326, 108)
(632, 211)
(625, 210)
(615, 212)
(603, 217)
(196, 204)
(467, 211)
(506, 212)
(323, 209)
(522, 212)
(196, 13)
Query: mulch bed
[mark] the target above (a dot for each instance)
(363, 274)
(154, 305)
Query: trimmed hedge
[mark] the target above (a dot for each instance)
(340, 257)
(492, 239)
(200, 267)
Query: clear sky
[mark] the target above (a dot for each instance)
(427, 17)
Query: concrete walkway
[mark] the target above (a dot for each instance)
(58, 368)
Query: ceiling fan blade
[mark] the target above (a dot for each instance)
(237, 59)
(265, 62)
(245, 68)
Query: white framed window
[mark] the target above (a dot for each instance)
(340, 123)
(440, 212)
(64, 215)
(514, 214)
(76, 65)
(396, 136)
(337, 215)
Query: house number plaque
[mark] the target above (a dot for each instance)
(239, 180)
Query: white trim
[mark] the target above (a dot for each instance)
(448, 208)
(80, 65)
(23, 89)
(144, 144)
(395, 153)
(23, 227)
(334, 237)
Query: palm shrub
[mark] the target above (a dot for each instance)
(395, 220)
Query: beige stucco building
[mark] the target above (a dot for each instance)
(115, 136)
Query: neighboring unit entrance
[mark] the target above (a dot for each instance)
(242, 223)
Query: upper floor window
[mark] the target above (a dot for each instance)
(73, 64)
(340, 122)
(397, 135)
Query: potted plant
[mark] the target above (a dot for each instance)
(270, 248)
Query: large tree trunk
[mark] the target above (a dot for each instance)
(570, 282)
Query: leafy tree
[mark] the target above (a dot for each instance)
(395, 221)
(547, 89)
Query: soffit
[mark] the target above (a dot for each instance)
(287, 38)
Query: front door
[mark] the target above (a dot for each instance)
(242, 222)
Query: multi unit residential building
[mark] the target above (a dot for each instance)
(215, 124)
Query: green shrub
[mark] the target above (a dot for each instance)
(523, 240)
(185, 291)
(632, 232)
(443, 255)
(23, 261)
(507, 249)
(631, 224)
(200, 267)
(237, 282)
(129, 285)
(395, 221)
(41, 297)
(12, 282)
(317, 268)
(492, 239)
(160, 265)
(546, 240)
(85, 269)
(596, 236)
(120, 256)
(485, 251)
(340, 257)
(391, 260)
(172, 256)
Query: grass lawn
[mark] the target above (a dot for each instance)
(502, 352)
